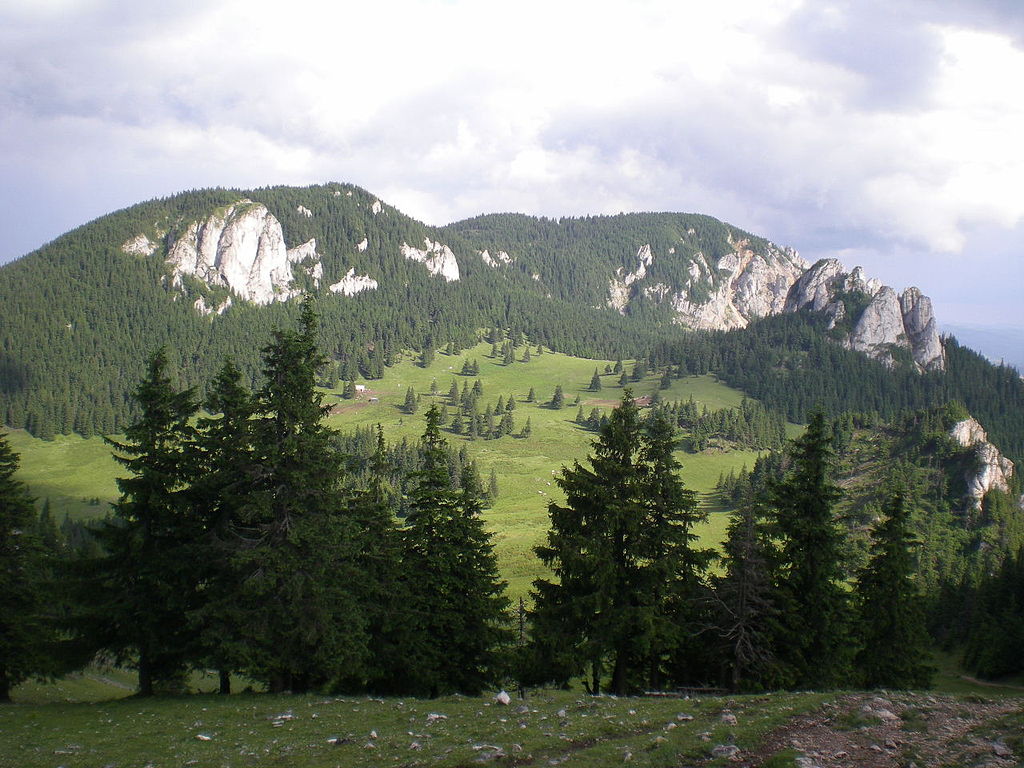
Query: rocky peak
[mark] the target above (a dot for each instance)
(922, 330)
(815, 289)
(437, 258)
(992, 470)
(888, 322)
(351, 283)
(241, 247)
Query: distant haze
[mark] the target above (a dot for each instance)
(884, 133)
(998, 344)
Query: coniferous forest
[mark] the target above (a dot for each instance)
(251, 539)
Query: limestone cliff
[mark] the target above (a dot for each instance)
(742, 286)
(992, 470)
(241, 247)
(886, 323)
(437, 258)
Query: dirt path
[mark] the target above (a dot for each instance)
(901, 730)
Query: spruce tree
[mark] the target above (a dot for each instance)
(146, 584)
(455, 611)
(891, 628)
(595, 382)
(23, 631)
(221, 494)
(558, 398)
(620, 548)
(744, 598)
(409, 406)
(814, 605)
(303, 624)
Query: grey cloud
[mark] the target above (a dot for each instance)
(885, 44)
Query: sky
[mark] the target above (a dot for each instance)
(884, 133)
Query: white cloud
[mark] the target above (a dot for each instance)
(827, 125)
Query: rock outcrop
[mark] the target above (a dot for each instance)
(241, 247)
(991, 471)
(497, 260)
(437, 258)
(744, 285)
(888, 321)
(351, 283)
(140, 245)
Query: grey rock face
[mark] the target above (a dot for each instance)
(241, 247)
(880, 326)
(922, 330)
(991, 471)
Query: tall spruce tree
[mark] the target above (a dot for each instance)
(455, 613)
(675, 567)
(813, 602)
(23, 631)
(303, 626)
(620, 549)
(891, 623)
(746, 613)
(143, 588)
(222, 494)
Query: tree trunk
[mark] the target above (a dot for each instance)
(225, 682)
(145, 674)
(619, 686)
(5, 689)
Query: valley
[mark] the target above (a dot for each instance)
(77, 474)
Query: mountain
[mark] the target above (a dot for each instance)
(209, 273)
(998, 343)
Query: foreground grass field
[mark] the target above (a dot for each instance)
(247, 730)
(546, 728)
(77, 475)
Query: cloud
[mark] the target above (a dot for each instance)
(863, 127)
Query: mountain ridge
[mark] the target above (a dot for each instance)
(79, 314)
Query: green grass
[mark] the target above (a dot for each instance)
(77, 475)
(250, 730)
(526, 468)
(950, 678)
(74, 473)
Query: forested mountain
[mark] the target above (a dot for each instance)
(210, 273)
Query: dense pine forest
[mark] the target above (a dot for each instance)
(256, 541)
(79, 315)
(252, 539)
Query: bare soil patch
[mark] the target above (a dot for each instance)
(898, 730)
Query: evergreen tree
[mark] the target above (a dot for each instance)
(507, 424)
(674, 565)
(894, 643)
(492, 485)
(532, 396)
(303, 625)
(620, 548)
(379, 588)
(526, 431)
(558, 398)
(595, 382)
(409, 406)
(814, 605)
(455, 613)
(221, 494)
(146, 584)
(744, 595)
(23, 632)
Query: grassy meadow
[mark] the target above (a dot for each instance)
(548, 728)
(77, 475)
